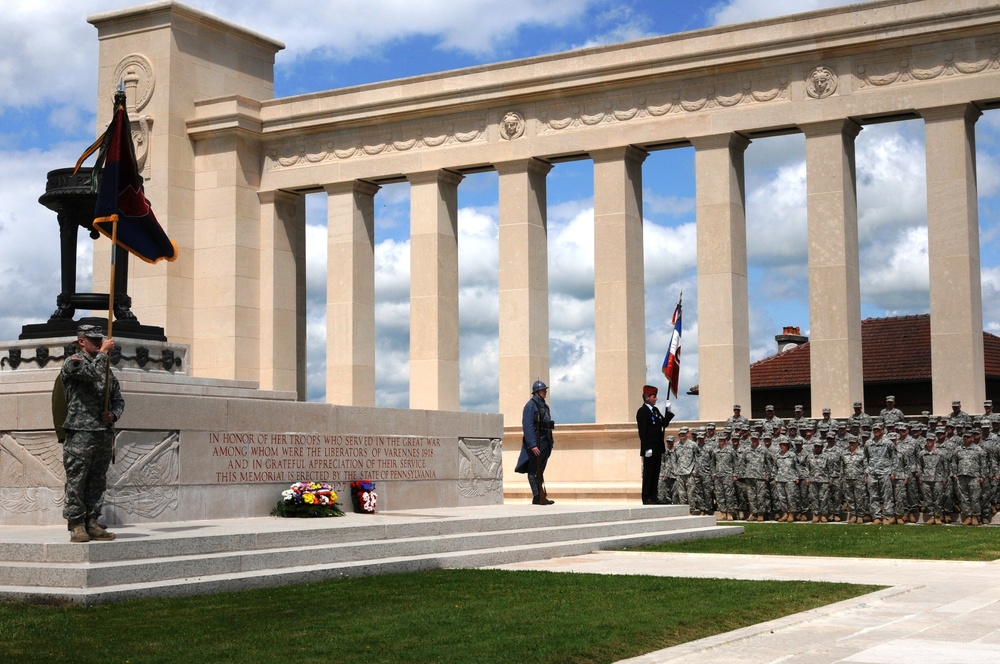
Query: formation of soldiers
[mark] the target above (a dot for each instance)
(882, 470)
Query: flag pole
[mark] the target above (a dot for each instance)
(111, 322)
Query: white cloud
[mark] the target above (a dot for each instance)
(895, 277)
(741, 11)
(479, 27)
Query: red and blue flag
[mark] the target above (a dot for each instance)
(672, 361)
(121, 199)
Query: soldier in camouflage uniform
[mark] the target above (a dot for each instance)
(890, 414)
(934, 474)
(897, 478)
(772, 423)
(908, 449)
(853, 463)
(737, 420)
(880, 458)
(836, 457)
(801, 459)
(668, 475)
(944, 440)
(818, 483)
(980, 438)
(786, 482)
(740, 448)
(860, 417)
(989, 415)
(685, 456)
(90, 434)
(757, 471)
(957, 416)
(968, 469)
(724, 460)
(711, 437)
(991, 445)
(799, 420)
(703, 471)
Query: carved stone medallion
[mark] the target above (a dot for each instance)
(512, 126)
(136, 70)
(822, 83)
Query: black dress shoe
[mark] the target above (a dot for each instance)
(536, 501)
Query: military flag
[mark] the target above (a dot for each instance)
(122, 212)
(672, 361)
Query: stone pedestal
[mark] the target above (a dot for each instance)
(194, 448)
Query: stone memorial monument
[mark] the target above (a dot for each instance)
(228, 167)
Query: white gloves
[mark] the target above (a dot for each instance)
(666, 405)
(649, 453)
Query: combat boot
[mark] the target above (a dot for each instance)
(77, 531)
(823, 519)
(967, 521)
(975, 520)
(852, 519)
(97, 532)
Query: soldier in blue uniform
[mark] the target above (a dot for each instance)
(90, 434)
(536, 444)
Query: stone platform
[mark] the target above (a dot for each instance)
(39, 564)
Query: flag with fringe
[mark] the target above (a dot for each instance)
(121, 198)
(672, 361)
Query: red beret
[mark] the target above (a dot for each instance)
(649, 390)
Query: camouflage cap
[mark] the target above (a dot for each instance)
(857, 404)
(90, 332)
(710, 425)
(768, 407)
(956, 404)
(988, 403)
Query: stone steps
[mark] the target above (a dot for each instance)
(167, 560)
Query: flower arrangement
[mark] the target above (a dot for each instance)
(363, 496)
(308, 499)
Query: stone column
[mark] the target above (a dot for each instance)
(957, 370)
(434, 374)
(524, 283)
(619, 284)
(350, 294)
(723, 314)
(283, 292)
(834, 277)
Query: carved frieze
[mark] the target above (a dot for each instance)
(480, 467)
(948, 60)
(352, 145)
(31, 472)
(143, 480)
(679, 98)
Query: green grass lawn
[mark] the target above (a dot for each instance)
(865, 541)
(489, 616)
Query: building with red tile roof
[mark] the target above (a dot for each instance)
(896, 359)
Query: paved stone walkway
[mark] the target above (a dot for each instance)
(934, 612)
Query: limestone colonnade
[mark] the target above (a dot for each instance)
(229, 165)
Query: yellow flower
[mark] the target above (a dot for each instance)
(309, 498)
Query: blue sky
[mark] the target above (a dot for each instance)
(47, 116)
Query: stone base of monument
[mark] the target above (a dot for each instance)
(193, 448)
(172, 559)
